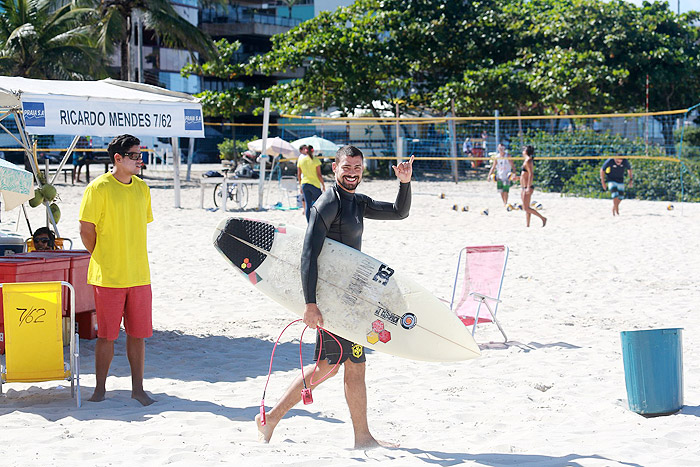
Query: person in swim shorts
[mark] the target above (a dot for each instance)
(613, 171)
(114, 212)
(338, 214)
(501, 171)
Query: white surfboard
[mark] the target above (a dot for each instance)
(361, 298)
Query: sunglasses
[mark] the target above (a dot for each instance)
(134, 156)
(42, 240)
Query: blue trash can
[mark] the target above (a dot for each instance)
(653, 361)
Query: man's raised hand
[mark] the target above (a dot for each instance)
(405, 170)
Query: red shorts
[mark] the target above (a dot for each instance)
(131, 303)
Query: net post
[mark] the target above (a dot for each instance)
(453, 142)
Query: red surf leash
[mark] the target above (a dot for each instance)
(305, 392)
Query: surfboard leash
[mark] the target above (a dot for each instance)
(305, 392)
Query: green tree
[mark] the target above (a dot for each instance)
(231, 101)
(350, 60)
(114, 25)
(593, 56)
(529, 56)
(47, 39)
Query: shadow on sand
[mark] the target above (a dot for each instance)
(180, 357)
(55, 404)
(693, 410)
(208, 358)
(525, 347)
(498, 459)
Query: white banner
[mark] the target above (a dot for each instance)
(49, 115)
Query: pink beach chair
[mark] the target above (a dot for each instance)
(484, 267)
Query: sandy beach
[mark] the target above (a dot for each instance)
(553, 396)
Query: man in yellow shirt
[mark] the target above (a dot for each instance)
(113, 215)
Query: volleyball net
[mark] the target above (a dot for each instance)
(569, 148)
(663, 147)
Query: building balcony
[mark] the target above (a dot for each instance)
(223, 23)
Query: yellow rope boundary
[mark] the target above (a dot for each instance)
(351, 121)
(540, 158)
(419, 158)
(504, 117)
(65, 149)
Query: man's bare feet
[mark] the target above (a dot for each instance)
(97, 396)
(142, 397)
(544, 221)
(264, 432)
(371, 443)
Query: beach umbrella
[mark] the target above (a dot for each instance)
(275, 146)
(16, 185)
(321, 145)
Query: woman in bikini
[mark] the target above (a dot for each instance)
(527, 177)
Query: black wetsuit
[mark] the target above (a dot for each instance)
(339, 215)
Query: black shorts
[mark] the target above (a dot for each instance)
(331, 352)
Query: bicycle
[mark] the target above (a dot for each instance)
(237, 192)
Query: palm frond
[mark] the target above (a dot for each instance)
(177, 32)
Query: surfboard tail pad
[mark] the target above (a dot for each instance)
(244, 241)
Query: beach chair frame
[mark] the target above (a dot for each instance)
(290, 185)
(74, 352)
(483, 299)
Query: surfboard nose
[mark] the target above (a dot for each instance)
(244, 241)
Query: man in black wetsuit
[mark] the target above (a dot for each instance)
(338, 214)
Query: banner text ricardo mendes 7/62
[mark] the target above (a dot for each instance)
(116, 119)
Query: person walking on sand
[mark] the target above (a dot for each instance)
(310, 178)
(527, 178)
(114, 212)
(338, 214)
(501, 171)
(613, 171)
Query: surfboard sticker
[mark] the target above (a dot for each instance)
(408, 321)
(378, 333)
(254, 278)
(362, 299)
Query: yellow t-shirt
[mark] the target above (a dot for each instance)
(308, 170)
(120, 213)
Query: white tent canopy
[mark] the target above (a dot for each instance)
(98, 108)
(102, 108)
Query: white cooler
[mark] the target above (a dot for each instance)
(11, 243)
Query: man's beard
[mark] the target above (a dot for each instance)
(345, 185)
